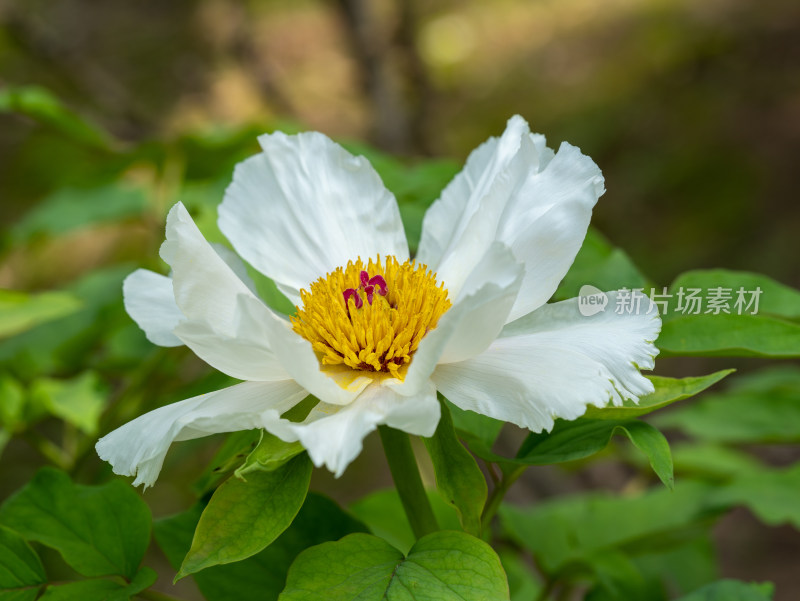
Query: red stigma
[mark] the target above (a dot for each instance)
(352, 292)
(377, 280)
(368, 285)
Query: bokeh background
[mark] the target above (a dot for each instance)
(691, 109)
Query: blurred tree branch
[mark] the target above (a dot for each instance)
(393, 75)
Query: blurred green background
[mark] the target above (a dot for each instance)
(691, 109)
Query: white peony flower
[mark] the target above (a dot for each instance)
(377, 334)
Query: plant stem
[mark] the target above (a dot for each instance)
(498, 493)
(405, 474)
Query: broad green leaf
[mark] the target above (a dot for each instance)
(442, 565)
(62, 345)
(601, 265)
(711, 461)
(98, 530)
(270, 454)
(580, 438)
(319, 520)
(764, 408)
(775, 298)
(523, 584)
(382, 511)
(458, 477)
(12, 407)
(772, 495)
(667, 391)
(40, 105)
(72, 208)
(21, 571)
(245, 516)
(682, 568)
(573, 529)
(731, 590)
(79, 400)
(101, 590)
(20, 311)
(616, 578)
(729, 336)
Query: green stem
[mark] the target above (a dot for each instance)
(498, 494)
(405, 474)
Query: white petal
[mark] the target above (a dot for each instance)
(245, 355)
(514, 190)
(150, 302)
(472, 323)
(224, 320)
(546, 220)
(305, 206)
(554, 362)
(205, 286)
(138, 448)
(334, 434)
(236, 264)
(446, 220)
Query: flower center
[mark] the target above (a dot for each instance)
(371, 317)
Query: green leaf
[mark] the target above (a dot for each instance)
(229, 456)
(319, 520)
(98, 530)
(599, 264)
(12, 407)
(244, 516)
(580, 438)
(442, 565)
(382, 511)
(522, 582)
(682, 568)
(270, 454)
(729, 336)
(72, 208)
(79, 401)
(770, 494)
(667, 391)
(20, 311)
(775, 298)
(616, 578)
(759, 408)
(574, 529)
(21, 571)
(101, 590)
(458, 477)
(479, 431)
(40, 105)
(731, 590)
(63, 345)
(712, 462)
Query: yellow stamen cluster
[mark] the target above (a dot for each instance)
(377, 337)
